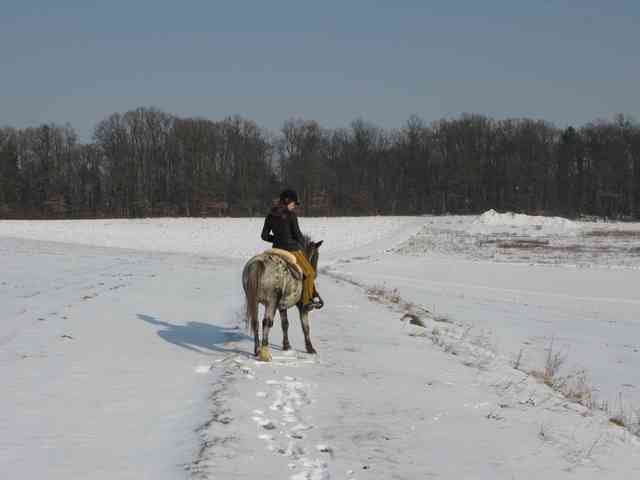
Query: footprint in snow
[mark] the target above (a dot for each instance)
(314, 470)
(301, 427)
(264, 423)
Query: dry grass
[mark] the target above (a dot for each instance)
(626, 418)
(518, 361)
(442, 319)
(413, 319)
(383, 294)
(621, 234)
(524, 244)
(575, 386)
(391, 298)
(543, 246)
(547, 248)
(550, 374)
(617, 420)
(543, 249)
(634, 426)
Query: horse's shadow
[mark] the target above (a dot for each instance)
(197, 336)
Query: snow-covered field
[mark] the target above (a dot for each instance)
(122, 353)
(223, 237)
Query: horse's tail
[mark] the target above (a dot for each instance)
(252, 275)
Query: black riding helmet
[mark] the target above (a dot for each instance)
(288, 196)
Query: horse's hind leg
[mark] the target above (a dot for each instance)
(267, 323)
(304, 320)
(255, 329)
(256, 342)
(285, 329)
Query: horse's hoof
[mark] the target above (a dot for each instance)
(311, 350)
(286, 347)
(264, 355)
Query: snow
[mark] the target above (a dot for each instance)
(95, 382)
(123, 354)
(494, 222)
(223, 237)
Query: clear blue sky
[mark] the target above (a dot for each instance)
(77, 61)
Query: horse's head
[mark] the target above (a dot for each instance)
(311, 251)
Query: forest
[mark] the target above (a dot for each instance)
(147, 162)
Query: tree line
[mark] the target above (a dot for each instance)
(147, 162)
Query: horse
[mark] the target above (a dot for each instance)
(268, 280)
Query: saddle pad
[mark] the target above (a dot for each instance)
(289, 259)
(285, 255)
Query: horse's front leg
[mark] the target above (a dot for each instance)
(285, 329)
(267, 323)
(304, 321)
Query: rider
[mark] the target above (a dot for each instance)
(283, 222)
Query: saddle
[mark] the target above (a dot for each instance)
(289, 259)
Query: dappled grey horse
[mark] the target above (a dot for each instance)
(268, 280)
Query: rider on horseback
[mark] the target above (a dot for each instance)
(282, 230)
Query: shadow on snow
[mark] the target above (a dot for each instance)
(197, 336)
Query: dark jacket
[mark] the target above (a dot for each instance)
(286, 231)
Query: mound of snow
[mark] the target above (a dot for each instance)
(493, 222)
